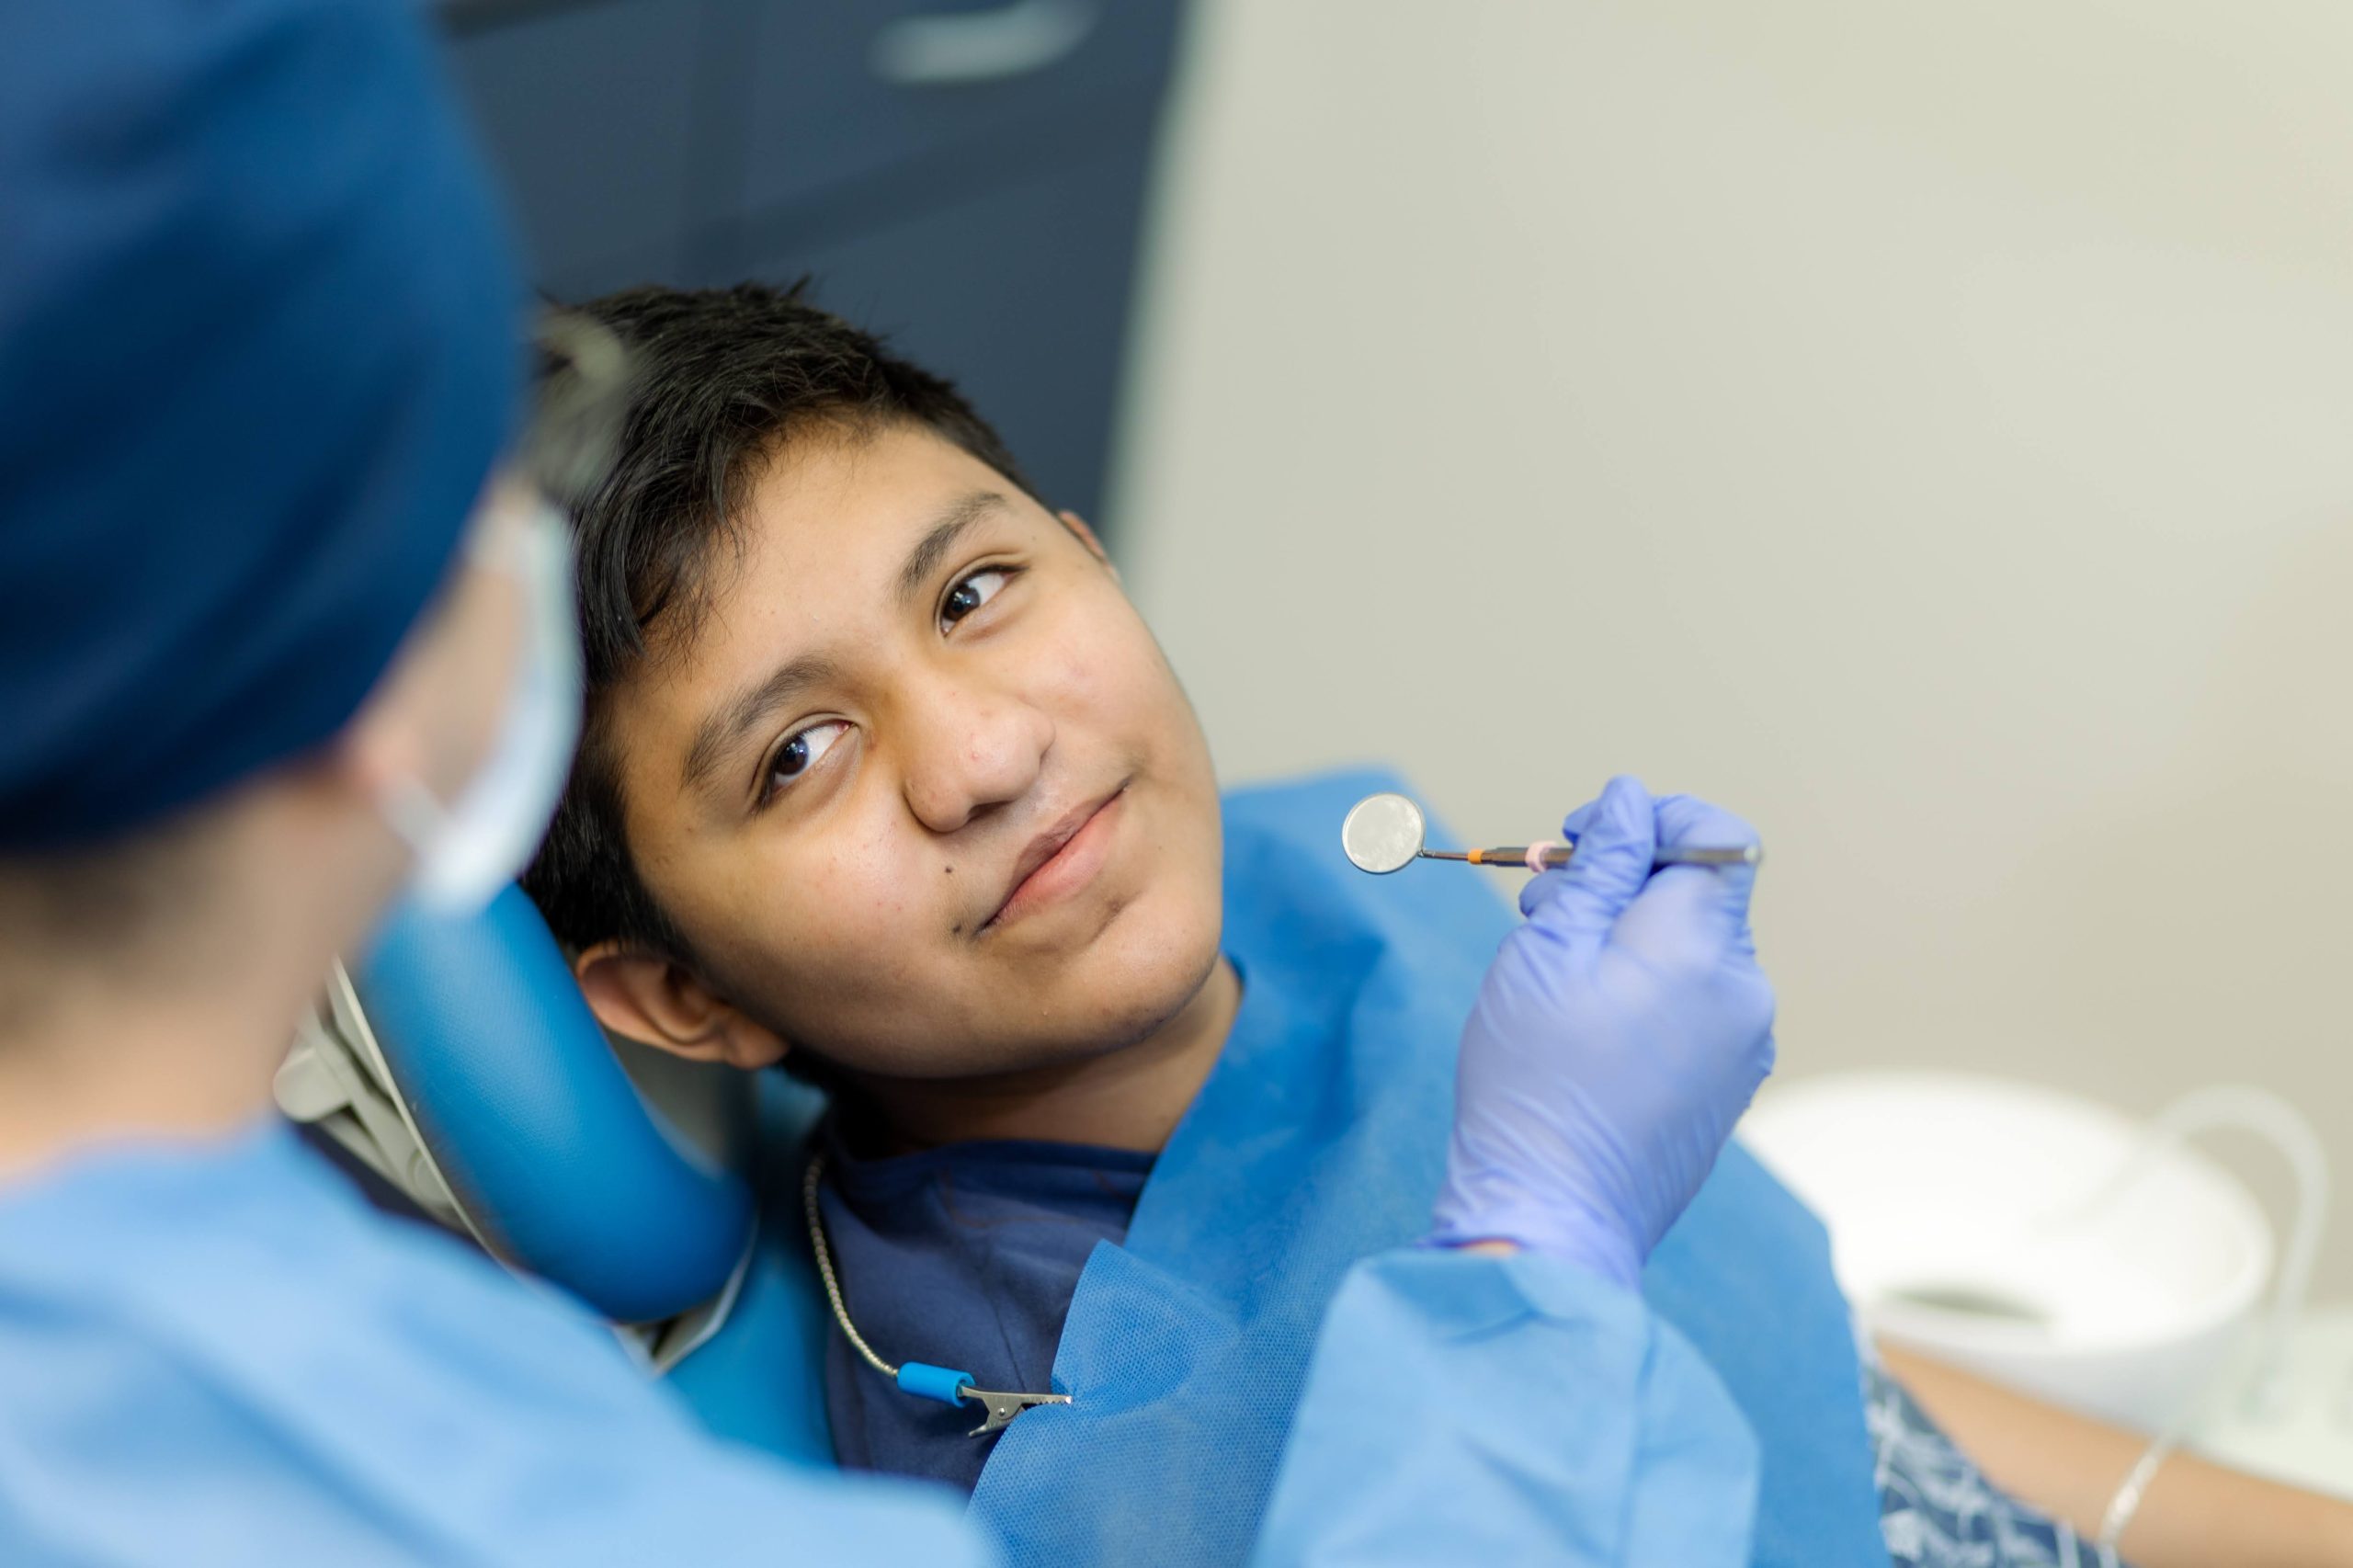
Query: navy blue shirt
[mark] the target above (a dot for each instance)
(964, 1257)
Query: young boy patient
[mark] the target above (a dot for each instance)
(882, 778)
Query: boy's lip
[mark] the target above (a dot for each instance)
(1060, 860)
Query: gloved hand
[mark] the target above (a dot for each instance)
(1619, 1033)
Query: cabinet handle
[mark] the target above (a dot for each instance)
(949, 49)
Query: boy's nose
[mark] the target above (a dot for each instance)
(973, 754)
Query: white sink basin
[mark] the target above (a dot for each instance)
(1979, 1220)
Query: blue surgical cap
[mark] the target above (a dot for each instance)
(259, 350)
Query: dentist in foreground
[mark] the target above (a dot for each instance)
(285, 632)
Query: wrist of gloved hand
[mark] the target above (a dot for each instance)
(1562, 1229)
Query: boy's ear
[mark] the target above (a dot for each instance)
(1077, 525)
(663, 1004)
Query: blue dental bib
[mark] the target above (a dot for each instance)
(1319, 1137)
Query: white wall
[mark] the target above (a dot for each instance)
(1926, 428)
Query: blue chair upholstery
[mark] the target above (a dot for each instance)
(567, 1173)
(542, 1137)
(761, 1378)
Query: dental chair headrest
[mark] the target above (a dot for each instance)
(540, 1135)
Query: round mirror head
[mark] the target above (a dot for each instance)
(1382, 833)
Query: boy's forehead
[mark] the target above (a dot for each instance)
(842, 531)
(848, 507)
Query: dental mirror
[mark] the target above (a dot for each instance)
(1382, 833)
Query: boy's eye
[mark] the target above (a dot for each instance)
(973, 592)
(800, 752)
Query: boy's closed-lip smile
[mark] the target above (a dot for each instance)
(1060, 862)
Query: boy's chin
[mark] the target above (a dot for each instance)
(1083, 1028)
(1133, 1018)
(1151, 1001)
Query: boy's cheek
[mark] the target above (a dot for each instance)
(1073, 674)
(797, 926)
(834, 980)
(834, 923)
(1099, 653)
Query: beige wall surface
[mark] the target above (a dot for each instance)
(1927, 429)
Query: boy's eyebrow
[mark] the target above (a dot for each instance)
(725, 726)
(937, 542)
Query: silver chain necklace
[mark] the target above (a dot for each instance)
(918, 1378)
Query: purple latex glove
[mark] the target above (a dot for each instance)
(1619, 1033)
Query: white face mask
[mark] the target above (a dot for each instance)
(467, 851)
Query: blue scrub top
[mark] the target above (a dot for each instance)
(216, 1352)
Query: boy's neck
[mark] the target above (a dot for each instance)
(1129, 1098)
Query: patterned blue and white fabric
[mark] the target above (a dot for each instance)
(1937, 1510)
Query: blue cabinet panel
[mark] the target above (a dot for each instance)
(589, 112)
(1018, 293)
(968, 174)
(835, 105)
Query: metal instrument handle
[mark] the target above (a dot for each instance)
(1514, 856)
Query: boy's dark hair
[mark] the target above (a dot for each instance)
(719, 381)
